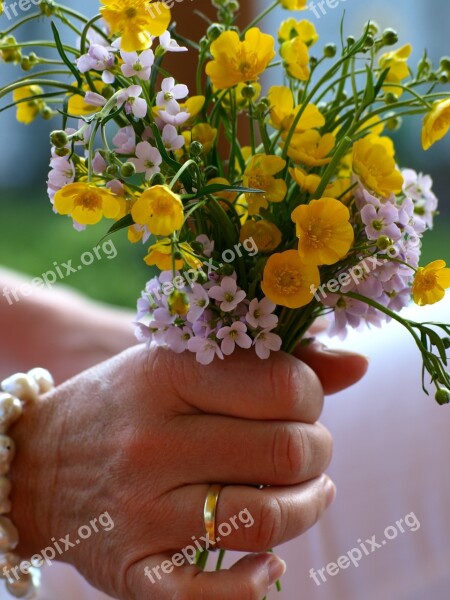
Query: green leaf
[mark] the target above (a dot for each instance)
(220, 187)
(380, 82)
(64, 56)
(369, 95)
(123, 223)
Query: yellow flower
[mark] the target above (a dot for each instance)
(239, 62)
(160, 255)
(339, 187)
(396, 62)
(296, 58)
(29, 110)
(436, 124)
(203, 133)
(324, 230)
(430, 283)
(292, 28)
(294, 4)
(307, 183)
(86, 203)
(283, 112)
(374, 163)
(259, 175)
(160, 210)
(78, 107)
(288, 281)
(136, 21)
(265, 234)
(311, 149)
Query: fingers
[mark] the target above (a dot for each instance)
(243, 385)
(248, 518)
(248, 579)
(336, 369)
(251, 452)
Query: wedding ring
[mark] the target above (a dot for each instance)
(209, 511)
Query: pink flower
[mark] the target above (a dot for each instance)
(170, 93)
(172, 141)
(177, 338)
(99, 164)
(170, 45)
(172, 116)
(98, 58)
(208, 245)
(199, 302)
(260, 314)
(125, 140)
(232, 336)
(228, 294)
(148, 159)
(267, 342)
(133, 104)
(94, 99)
(205, 349)
(137, 65)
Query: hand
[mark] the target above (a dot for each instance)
(143, 435)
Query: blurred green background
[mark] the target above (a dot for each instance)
(32, 237)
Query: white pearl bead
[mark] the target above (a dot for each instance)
(10, 410)
(9, 536)
(7, 452)
(43, 378)
(21, 385)
(25, 587)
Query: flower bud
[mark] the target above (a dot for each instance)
(112, 170)
(196, 148)
(157, 179)
(47, 113)
(384, 242)
(226, 270)
(350, 40)
(372, 27)
(202, 277)
(10, 55)
(62, 151)
(59, 138)
(390, 98)
(25, 64)
(370, 41)
(128, 169)
(445, 63)
(442, 396)
(444, 77)
(48, 7)
(394, 123)
(330, 50)
(313, 60)
(214, 31)
(178, 303)
(248, 92)
(390, 37)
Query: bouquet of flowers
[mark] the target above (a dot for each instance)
(261, 207)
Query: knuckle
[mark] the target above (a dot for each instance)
(268, 524)
(290, 452)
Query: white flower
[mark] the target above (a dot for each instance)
(172, 141)
(170, 93)
(169, 44)
(137, 65)
(125, 140)
(133, 104)
(266, 342)
(232, 336)
(228, 294)
(260, 314)
(148, 159)
(205, 349)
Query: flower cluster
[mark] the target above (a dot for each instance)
(313, 178)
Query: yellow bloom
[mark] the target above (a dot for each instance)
(294, 4)
(203, 133)
(259, 175)
(136, 21)
(311, 149)
(338, 187)
(307, 183)
(430, 283)
(29, 110)
(160, 255)
(374, 163)
(305, 30)
(296, 58)
(265, 234)
(436, 124)
(324, 230)
(160, 210)
(239, 62)
(78, 107)
(288, 281)
(86, 203)
(283, 112)
(396, 62)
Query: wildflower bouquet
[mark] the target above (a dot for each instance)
(262, 207)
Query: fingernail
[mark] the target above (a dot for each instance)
(337, 352)
(276, 568)
(330, 491)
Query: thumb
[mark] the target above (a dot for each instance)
(336, 369)
(166, 578)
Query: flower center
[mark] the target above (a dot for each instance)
(288, 281)
(229, 297)
(131, 12)
(89, 201)
(317, 235)
(377, 225)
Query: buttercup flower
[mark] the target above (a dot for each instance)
(430, 283)
(29, 110)
(307, 182)
(86, 203)
(324, 230)
(160, 255)
(259, 175)
(294, 4)
(396, 62)
(265, 234)
(311, 149)
(436, 124)
(239, 62)
(136, 21)
(296, 57)
(288, 280)
(305, 30)
(283, 112)
(160, 210)
(374, 164)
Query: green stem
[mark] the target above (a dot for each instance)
(261, 16)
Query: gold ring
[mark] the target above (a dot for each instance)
(209, 511)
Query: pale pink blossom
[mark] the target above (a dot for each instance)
(148, 159)
(260, 314)
(234, 336)
(137, 65)
(170, 93)
(267, 342)
(133, 103)
(125, 140)
(205, 349)
(172, 141)
(169, 44)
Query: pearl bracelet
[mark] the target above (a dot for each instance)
(15, 392)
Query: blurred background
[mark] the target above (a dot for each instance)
(32, 238)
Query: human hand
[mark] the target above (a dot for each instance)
(143, 435)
